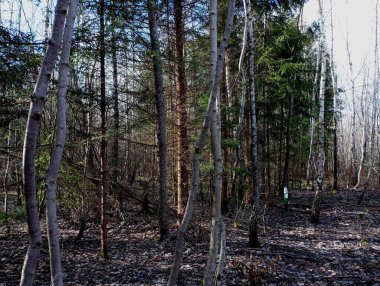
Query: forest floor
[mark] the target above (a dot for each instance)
(344, 249)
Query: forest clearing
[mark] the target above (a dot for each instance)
(184, 142)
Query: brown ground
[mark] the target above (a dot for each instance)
(344, 249)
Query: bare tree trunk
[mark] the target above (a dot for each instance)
(354, 163)
(315, 210)
(183, 144)
(104, 175)
(30, 145)
(310, 161)
(364, 136)
(199, 147)
(335, 111)
(161, 111)
(55, 162)
(217, 153)
(285, 178)
(374, 105)
(253, 227)
(216, 216)
(6, 172)
(238, 178)
(116, 120)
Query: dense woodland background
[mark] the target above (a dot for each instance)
(143, 90)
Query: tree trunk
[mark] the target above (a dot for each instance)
(116, 120)
(217, 153)
(253, 227)
(30, 144)
(183, 144)
(161, 111)
(335, 111)
(285, 178)
(354, 163)
(310, 161)
(104, 175)
(55, 162)
(6, 172)
(315, 210)
(199, 147)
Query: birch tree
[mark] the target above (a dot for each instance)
(315, 210)
(310, 161)
(37, 103)
(200, 144)
(354, 163)
(60, 135)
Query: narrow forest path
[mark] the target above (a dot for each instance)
(343, 250)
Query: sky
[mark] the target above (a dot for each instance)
(353, 20)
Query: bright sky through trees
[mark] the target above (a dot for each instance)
(353, 20)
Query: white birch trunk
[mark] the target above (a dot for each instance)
(199, 147)
(315, 211)
(310, 162)
(354, 163)
(53, 168)
(30, 144)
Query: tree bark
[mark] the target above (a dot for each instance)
(116, 120)
(161, 111)
(55, 162)
(30, 144)
(315, 210)
(104, 175)
(335, 111)
(199, 147)
(217, 154)
(183, 144)
(253, 227)
(238, 177)
(285, 178)
(310, 161)
(354, 163)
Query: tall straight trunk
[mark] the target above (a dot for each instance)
(55, 162)
(279, 160)
(104, 175)
(238, 178)
(335, 111)
(374, 104)
(183, 144)
(115, 101)
(30, 144)
(354, 163)
(285, 177)
(310, 161)
(217, 154)
(6, 172)
(315, 210)
(224, 118)
(253, 227)
(199, 147)
(161, 111)
(364, 136)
